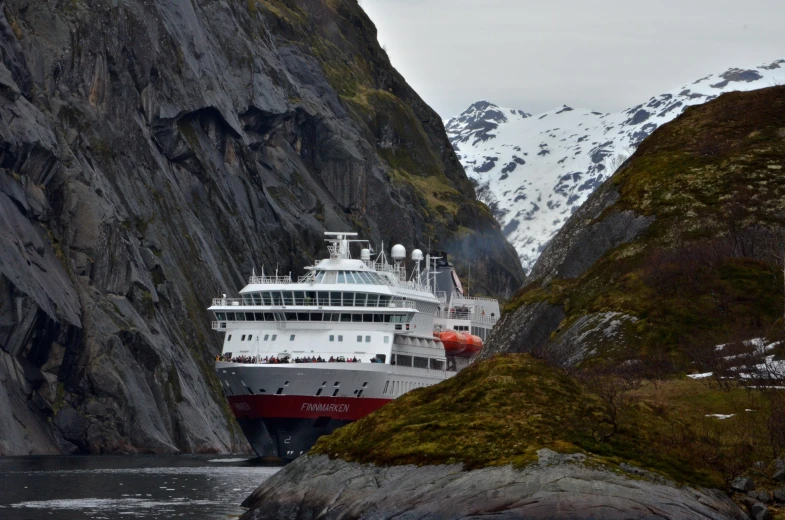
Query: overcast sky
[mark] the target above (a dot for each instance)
(600, 54)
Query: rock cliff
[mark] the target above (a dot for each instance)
(151, 154)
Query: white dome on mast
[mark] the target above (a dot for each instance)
(398, 252)
(417, 255)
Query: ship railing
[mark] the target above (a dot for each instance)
(218, 325)
(476, 298)
(460, 315)
(311, 303)
(264, 280)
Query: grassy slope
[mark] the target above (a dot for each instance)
(706, 177)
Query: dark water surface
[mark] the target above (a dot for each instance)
(79, 488)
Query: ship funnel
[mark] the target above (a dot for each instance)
(398, 252)
(417, 255)
(365, 255)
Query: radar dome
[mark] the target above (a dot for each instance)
(398, 252)
(365, 254)
(416, 255)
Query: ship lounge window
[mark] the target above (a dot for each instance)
(257, 298)
(299, 298)
(259, 316)
(322, 298)
(378, 318)
(348, 299)
(387, 339)
(332, 337)
(266, 337)
(290, 316)
(249, 316)
(335, 317)
(266, 298)
(288, 298)
(276, 296)
(269, 316)
(291, 338)
(302, 316)
(346, 318)
(357, 318)
(437, 364)
(316, 316)
(403, 361)
(359, 300)
(420, 362)
(373, 300)
(367, 318)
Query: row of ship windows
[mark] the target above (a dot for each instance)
(313, 316)
(335, 389)
(402, 360)
(320, 298)
(401, 387)
(249, 337)
(358, 277)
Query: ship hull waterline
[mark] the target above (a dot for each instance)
(287, 426)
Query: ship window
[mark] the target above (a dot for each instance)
(319, 276)
(437, 364)
(276, 297)
(368, 318)
(386, 385)
(403, 361)
(336, 392)
(365, 384)
(269, 316)
(250, 337)
(359, 300)
(399, 327)
(387, 318)
(249, 390)
(249, 316)
(257, 298)
(288, 298)
(243, 338)
(341, 277)
(319, 392)
(348, 299)
(316, 316)
(360, 393)
(387, 339)
(302, 316)
(247, 300)
(229, 316)
(286, 383)
(367, 339)
(340, 338)
(290, 316)
(359, 339)
(336, 317)
(299, 298)
(275, 336)
(229, 338)
(291, 338)
(420, 362)
(336, 383)
(267, 299)
(346, 317)
(357, 318)
(220, 316)
(279, 392)
(335, 299)
(310, 298)
(373, 300)
(262, 390)
(323, 298)
(324, 383)
(266, 337)
(332, 337)
(259, 316)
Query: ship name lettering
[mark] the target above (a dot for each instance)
(324, 407)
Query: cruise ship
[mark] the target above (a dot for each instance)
(302, 358)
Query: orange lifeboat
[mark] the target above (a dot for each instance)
(455, 343)
(474, 346)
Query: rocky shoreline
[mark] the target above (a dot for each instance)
(557, 486)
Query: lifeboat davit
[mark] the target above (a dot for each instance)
(455, 343)
(474, 345)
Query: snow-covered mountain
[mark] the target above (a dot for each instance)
(535, 170)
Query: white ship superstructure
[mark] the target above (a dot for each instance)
(301, 358)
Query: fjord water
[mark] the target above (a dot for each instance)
(79, 488)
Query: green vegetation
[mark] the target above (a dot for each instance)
(708, 270)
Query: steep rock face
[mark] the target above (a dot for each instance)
(681, 247)
(152, 154)
(557, 487)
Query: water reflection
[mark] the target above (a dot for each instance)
(77, 488)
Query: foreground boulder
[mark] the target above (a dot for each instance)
(556, 487)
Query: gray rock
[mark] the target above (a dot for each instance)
(317, 487)
(779, 475)
(153, 162)
(761, 496)
(742, 484)
(759, 511)
(779, 495)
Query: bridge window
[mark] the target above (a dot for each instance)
(373, 300)
(367, 318)
(420, 362)
(387, 339)
(403, 361)
(348, 299)
(357, 318)
(276, 297)
(346, 318)
(316, 316)
(302, 316)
